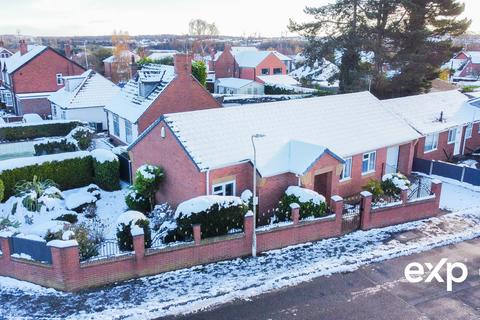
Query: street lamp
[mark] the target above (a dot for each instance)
(255, 200)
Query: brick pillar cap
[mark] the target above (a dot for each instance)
(336, 198)
(366, 194)
(6, 234)
(249, 214)
(294, 206)
(404, 188)
(136, 231)
(62, 243)
(436, 181)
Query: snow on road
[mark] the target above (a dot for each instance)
(200, 287)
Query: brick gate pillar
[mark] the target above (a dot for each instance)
(365, 210)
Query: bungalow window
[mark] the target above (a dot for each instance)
(277, 70)
(368, 162)
(347, 169)
(431, 142)
(8, 99)
(128, 131)
(468, 131)
(265, 71)
(452, 135)
(59, 78)
(116, 126)
(224, 189)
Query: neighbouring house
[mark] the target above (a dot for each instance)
(332, 144)
(31, 75)
(156, 90)
(4, 52)
(247, 63)
(466, 66)
(238, 86)
(118, 71)
(448, 124)
(285, 82)
(84, 98)
(161, 54)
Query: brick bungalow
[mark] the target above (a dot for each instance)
(156, 90)
(333, 145)
(449, 125)
(30, 75)
(248, 63)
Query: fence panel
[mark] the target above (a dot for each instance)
(37, 250)
(472, 176)
(421, 165)
(447, 170)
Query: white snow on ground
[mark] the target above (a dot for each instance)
(200, 287)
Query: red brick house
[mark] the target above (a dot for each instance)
(449, 125)
(156, 90)
(31, 75)
(332, 144)
(466, 65)
(247, 64)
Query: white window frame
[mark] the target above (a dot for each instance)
(452, 136)
(434, 144)
(347, 164)
(371, 165)
(468, 130)
(59, 78)
(128, 135)
(8, 99)
(223, 185)
(116, 125)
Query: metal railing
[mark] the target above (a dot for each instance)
(420, 188)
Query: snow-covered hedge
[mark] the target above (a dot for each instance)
(106, 168)
(125, 223)
(217, 215)
(28, 131)
(311, 203)
(393, 183)
(80, 138)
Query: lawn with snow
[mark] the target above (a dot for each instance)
(196, 288)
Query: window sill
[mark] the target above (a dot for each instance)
(345, 180)
(368, 173)
(429, 151)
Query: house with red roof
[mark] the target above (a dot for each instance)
(30, 75)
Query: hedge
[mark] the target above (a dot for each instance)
(68, 174)
(54, 146)
(107, 174)
(33, 131)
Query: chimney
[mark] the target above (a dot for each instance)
(133, 67)
(2, 44)
(227, 47)
(183, 64)
(68, 50)
(23, 47)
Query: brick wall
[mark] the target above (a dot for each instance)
(225, 66)
(39, 75)
(40, 106)
(473, 143)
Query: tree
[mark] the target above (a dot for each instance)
(121, 65)
(199, 71)
(203, 32)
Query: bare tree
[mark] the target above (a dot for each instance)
(203, 32)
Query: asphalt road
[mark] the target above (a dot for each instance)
(377, 291)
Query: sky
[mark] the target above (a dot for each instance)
(101, 17)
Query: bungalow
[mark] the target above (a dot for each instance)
(238, 86)
(155, 90)
(448, 124)
(333, 145)
(31, 75)
(467, 66)
(84, 98)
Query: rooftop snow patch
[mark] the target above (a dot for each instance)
(17, 60)
(346, 125)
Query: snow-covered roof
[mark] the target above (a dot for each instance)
(250, 59)
(320, 72)
(423, 111)
(125, 53)
(129, 104)
(281, 56)
(17, 60)
(92, 90)
(161, 54)
(243, 49)
(279, 79)
(31, 118)
(235, 83)
(297, 131)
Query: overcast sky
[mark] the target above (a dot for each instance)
(101, 17)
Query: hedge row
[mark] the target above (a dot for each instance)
(53, 147)
(33, 131)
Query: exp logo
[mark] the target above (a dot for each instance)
(415, 272)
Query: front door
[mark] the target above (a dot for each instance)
(323, 184)
(458, 141)
(392, 159)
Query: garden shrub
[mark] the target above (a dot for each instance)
(375, 188)
(125, 223)
(36, 130)
(217, 215)
(53, 146)
(106, 168)
(37, 193)
(68, 217)
(88, 240)
(393, 183)
(311, 203)
(53, 235)
(2, 190)
(83, 137)
(135, 201)
(67, 173)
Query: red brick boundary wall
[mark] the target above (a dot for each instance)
(67, 272)
(406, 211)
